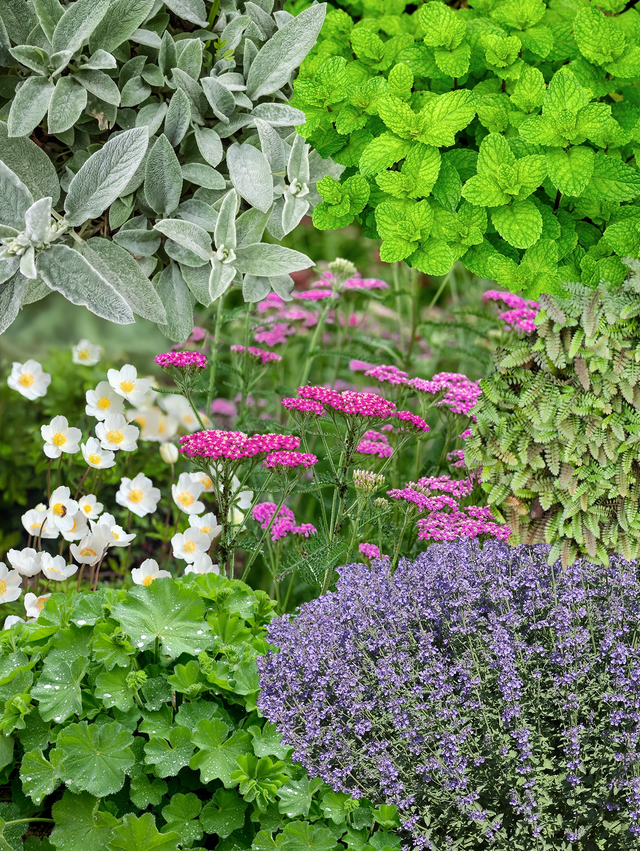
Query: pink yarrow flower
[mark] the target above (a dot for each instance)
(375, 447)
(390, 374)
(356, 283)
(260, 354)
(412, 420)
(447, 527)
(224, 408)
(275, 335)
(182, 360)
(314, 295)
(370, 551)
(284, 523)
(289, 460)
(360, 365)
(350, 402)
(461, 394)
(304, 406)
(235, 445)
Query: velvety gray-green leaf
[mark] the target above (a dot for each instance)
(190, 10)
(29, 106)
(250, 174)
(270, 260)
(78, 22)
(163, 177)
(279, 114)
(178, 304)
(225, 232)
(99, 84)
(67, 105)
(209, 145)
(11, 294)
(203, 175)
(105, 175)
(15, 199)
(30, 164)
(178, 117)
(121, 19)
(49, 13)
(192, 236)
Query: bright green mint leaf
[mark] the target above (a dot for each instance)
(612, 180)
(343, 201)
(519, 14)
(530, 89)
(433, 257)
(530, 173)
(537, 272)
(218, 752)
(445, 115)
(520, 223)
(483, 190)
(417, 176)
(39, 777)
(624, 238)
(628, 65)
(399, 117)
(367, 46)
(441, 26)
(224, 813)
(141, 834)
(80, 825)
(383, 152)
(447, 189)
(501, 54)
(400, 81)
(167, 611)
(455, 62)
(570, 170)
(564, 96)
(58, 689)
(402, 226)
(94, 758)
(180, 814)
(168, 757)
(597, 37)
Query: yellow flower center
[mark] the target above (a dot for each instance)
(87, 508)
(95, 459)
(26, 379)
(148, 580)
(115, 535)
(54, 570)
(141, 420)
(83, 354)
(87, 551)
(162, 427)
(59, 439)
(136, 495)
(35, 527)
(40, 603)
(206, 481)
(185, 498)
(103, 403)
(3, 587)
(59, 509)
(73, 528)
(205, 529)
(188, 418)
(127, 386)
(190, 547)
(115, 436)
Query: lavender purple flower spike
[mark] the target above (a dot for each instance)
(493, 699)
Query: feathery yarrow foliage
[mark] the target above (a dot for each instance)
(557, 426)
(144, 149)
(502, 133)
(493, 699)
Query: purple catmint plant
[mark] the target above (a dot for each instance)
(493, 699)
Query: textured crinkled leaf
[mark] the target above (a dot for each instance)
(445, 115)
(163, 175)
(121, 20)
(30, 164)
(520, 223)
(66, 271)
(383, 152)
(530, 89)
(105, 175)
(270, 260)
(598, 39)
(453, 63)
(66, 106)
(250, 173)
(434, 257)
(168, 757)
(190, 10)
(399, 117)
(421, 168)
(564, 95)
(570, 170)
(29, 105)
(483, 190)
(125, 276)
(441, 26)
(284, 52)
(224, 813)
(447, 189)
(612, 180)
(217, 751)
(80, 825)
(77, 23)
(95, 758)
(192, 236)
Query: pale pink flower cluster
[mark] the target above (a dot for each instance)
(260, 354)
(304, 406)
(412, 420)
(234, 445)
(224, 408)
(360, 365)
(462, 393)
(370, 551)
(274, 335)
(447, 527)
(284, 523)
(314, 295)
(375, 443)
(288, 312)
(390, 374)
(182, 360)
(357, 283)
(350, 402)
(523, 310)
(284, 460)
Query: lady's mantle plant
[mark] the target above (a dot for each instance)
(502, 133)
(144, 149)
(492, 698)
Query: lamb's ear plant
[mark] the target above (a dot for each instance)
(502, 134)
(145, 147)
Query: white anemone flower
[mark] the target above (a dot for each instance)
(114, 535)
(138, 495)
(10, 582)
(34, 605)
(240, 502)
(29, 379)
(185, 494)
(62, 509)
(89, 550)
(90, 507)
(180, 409)
(95, 456)
(114, 433)
(59, 437)
(79, 528)
(204, 480)
(27, 562)
(12, 620)
(32, 521)
(148, 572)
(56, 568)
(103, 401)
(208, 524)
(169, 453)
(202, 563)
(186, 545)
(126, 383)
(148, 420)
(86, 353)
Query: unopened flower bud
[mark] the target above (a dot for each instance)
(380, 503)
(169, 453)
(342, 268)
(366, 482)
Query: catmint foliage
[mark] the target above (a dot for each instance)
(557, 425)
(501, 133)
(145, 147)
(492, 698)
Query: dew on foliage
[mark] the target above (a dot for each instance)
(106, 695)
(81, 623)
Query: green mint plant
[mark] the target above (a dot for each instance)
(502, 134)
(133, 136)
(129, 719)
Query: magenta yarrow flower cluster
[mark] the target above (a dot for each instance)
(440, 526)
(461, 395)
(413, 421)
(350, 402)
(182, 360)
(388, 374)
(224, 408)
(360, 365)
(216, 444)
(375, 443)
(274, 335)
(284, 523)
(304, 406)
(356, 283)
(259, 354)
(370, 551)
(315, 295)
(523, 311)
(289, 460)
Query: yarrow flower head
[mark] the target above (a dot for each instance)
(370, 551)
(350, 402)
(194, 361)
(259, 354)
(304, 406)
(216, 444)
(284, 460)
(547, 646)
(375, 443)
(367, 482)
(388, 374)
(523, 313)
(284, 522)
(461, 394)
(412, 421)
